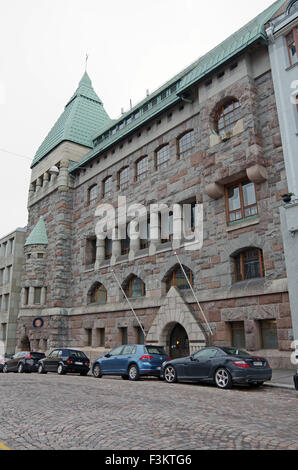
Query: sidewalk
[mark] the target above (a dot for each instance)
(282, 379)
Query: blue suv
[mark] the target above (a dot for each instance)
(131, 361)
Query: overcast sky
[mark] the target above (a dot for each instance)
(133, 45)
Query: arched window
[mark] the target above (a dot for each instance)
(249, 264)
(135, 287)
(227, 116)
(142, 168)
(186, 144)
(107, 186)
(176, 278)
(123, 178)
(97, 294)
(162, 157)
(293, 6)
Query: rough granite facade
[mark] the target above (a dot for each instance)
(251, 151)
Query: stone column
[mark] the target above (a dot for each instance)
(63, 177)
(100, 252)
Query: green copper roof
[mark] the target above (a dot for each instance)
(83, 115)
(235, 44)
(38, 236)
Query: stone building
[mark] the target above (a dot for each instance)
(210, 138)
(11, 264)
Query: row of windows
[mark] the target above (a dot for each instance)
(248, 264)
(267, 334)
(241, 205)
(185, 147)
(139, 112)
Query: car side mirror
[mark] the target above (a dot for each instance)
(108, 355)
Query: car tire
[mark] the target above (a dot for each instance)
(170, 374)
(20, 368)
(60, 370)
(41, 370)
(133, 372)
(223, 378)
(97, 371)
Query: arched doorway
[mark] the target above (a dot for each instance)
(179, 342)
(25, 344)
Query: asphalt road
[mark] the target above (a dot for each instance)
(71, 412)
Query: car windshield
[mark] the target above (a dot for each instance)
(155, 350)
(37, 355)
(235, 352)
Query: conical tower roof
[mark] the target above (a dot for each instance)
(83, 116)
(38, 236)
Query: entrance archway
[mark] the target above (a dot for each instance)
(25, 344)
(179, 342)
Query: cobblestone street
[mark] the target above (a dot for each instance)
(72, 412)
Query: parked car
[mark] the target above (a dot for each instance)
(131, 361)
(222, 366)
(24, 361)
(64, 361)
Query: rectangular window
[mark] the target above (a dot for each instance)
(186, 144)
(6, 302)
(26, 296)
(238, 334)
(0, 303)
(162, 157)
(140, 339)
(144, 242)
(8, 274)
(167, 237)
(249, 265)
(124, 335)
(100, 337)
(11, 246)
(37, 295)
(241, 201)
(292, 45)
(268, 330)
(142, 168)
(92, 193)
(1, 276)
(125, 245)
(107, 187)
(91, 251)
(123, 178)
(108, 248)
(89, 336)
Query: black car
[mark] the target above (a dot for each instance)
(65, 360)
(24, 361)
(222, 366)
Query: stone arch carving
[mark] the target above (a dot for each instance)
(175, 310)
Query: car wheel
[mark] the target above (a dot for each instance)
(40, 369)
(5, 369)
(170, 374)
(223, 378)
(97, 371)
(60, 370)
(133, 372)
(20, 368)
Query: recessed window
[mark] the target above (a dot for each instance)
(98, 294)
(177, 278)
(125, 245)
(162, 157)
(108, 248)
(268, 330)
(107, 187)
(167, 232)
(37, 295)
(142, 168)
(186, 144)
(90, 251)
(292, 44)
(135, 287)
(249, 264)
(92, 193)
(241, 201)
(238, 334)
(144, 242)
(123, 178)
(226, 117)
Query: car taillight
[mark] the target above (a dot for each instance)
(241, 364)
(168, 358)
(2, 361)
(146, 357)
(28, 357)
(88, 364)
(68, 361)
(268, 365)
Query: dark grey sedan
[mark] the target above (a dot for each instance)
(222, 366)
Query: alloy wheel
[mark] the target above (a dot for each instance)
(97, 371)
(170, 374)
(133, 373)
(222, 378)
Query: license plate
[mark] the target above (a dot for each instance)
(79, 363)
(258, 364)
